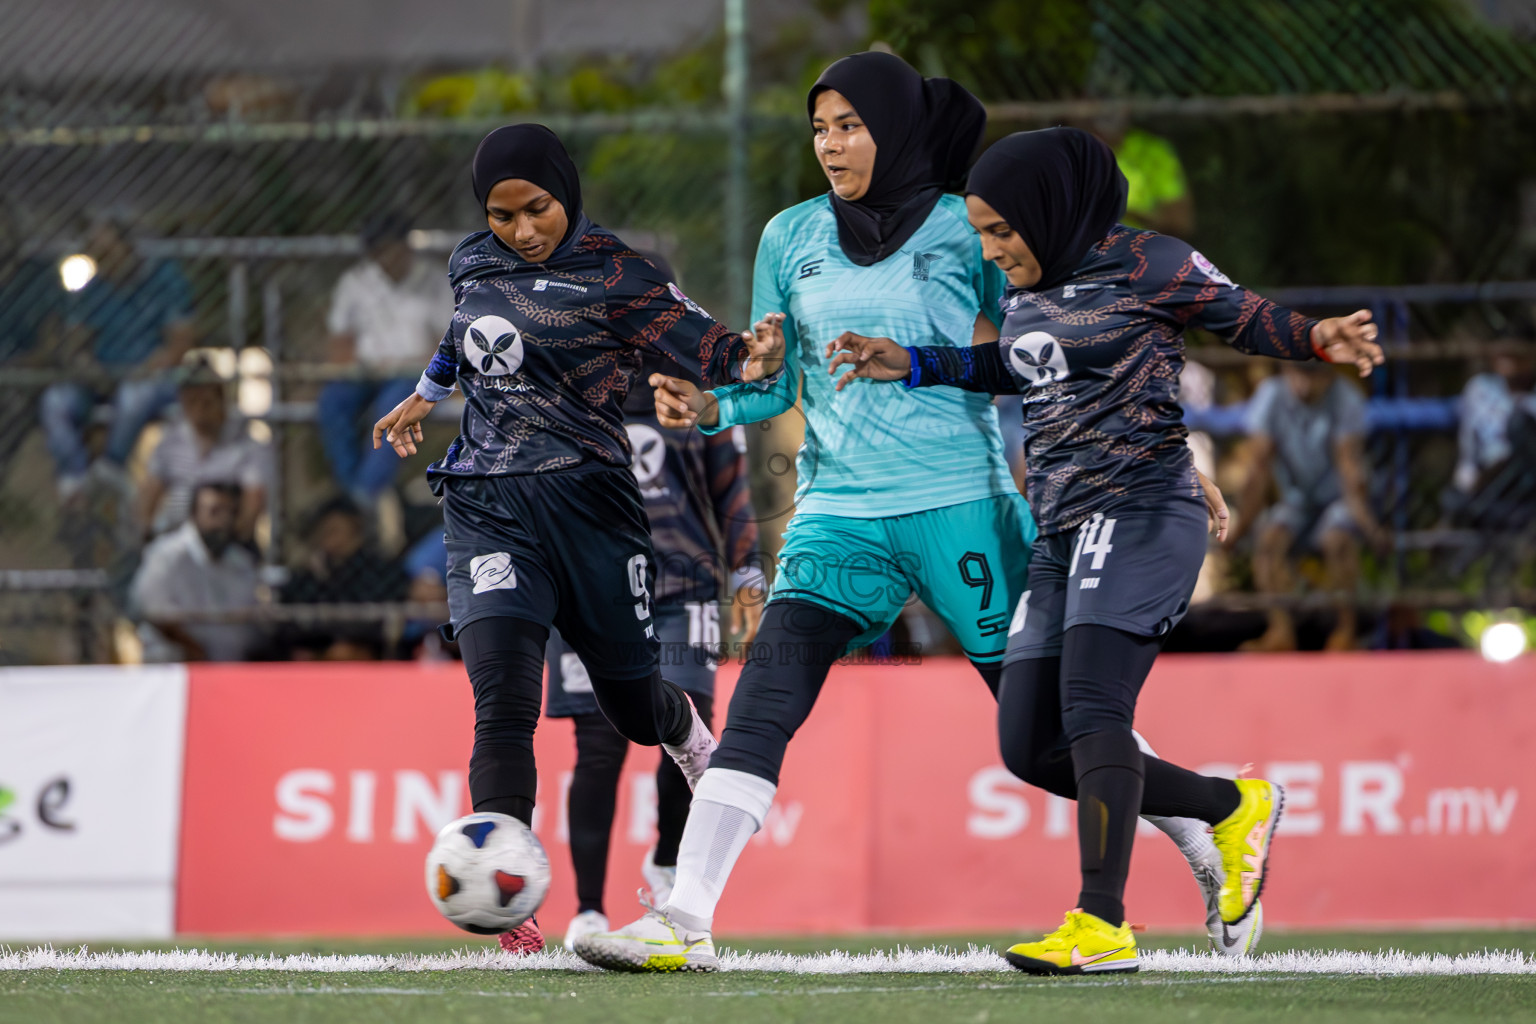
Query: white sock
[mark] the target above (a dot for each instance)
(728, 808)
(1191, 835)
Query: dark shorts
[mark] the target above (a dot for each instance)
(1134, 571)
(690, 638)
(570, 551)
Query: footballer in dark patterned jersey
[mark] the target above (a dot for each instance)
(1093, 338)
(543, 521)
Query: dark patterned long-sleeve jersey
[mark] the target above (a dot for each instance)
(545, 352)
(1097, 359)
(697, 497)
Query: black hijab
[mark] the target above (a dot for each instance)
(534, 153)
(926, 131)
(1059, 188)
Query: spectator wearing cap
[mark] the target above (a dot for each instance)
(387, 315)
(132, 319)
(208, 442)
(198, 567)
(1307, 426)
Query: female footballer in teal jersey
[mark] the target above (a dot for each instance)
(899, 491)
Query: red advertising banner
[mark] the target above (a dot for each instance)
(312, 794)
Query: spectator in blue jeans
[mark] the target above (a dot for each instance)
(133, 320)
(387, 314)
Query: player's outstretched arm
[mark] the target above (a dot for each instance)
(1349, 339)
(401, 426)
(872, 358)
(681, 404)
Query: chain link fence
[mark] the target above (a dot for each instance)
(222, 179)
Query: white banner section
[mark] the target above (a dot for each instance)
(90, 800)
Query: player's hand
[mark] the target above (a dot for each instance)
(1349, 339)
(765, 348)
(875, 358)
(401, 426)
(680, 405)
(1215, 507)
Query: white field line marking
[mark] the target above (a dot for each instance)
(942, 960)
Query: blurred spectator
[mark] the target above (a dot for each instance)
(343, 569)
(200, 568)
(31, 303)
(1308, 429)
(1159, 192)
(208, 443)
(1495, 482)
(131, 319)
(387, 315)
(1402, 628)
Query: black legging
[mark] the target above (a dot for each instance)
(505, 661)
(1073, 713)
(593, 796)
(1109, 667)
(795, 647)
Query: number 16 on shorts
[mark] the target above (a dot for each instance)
(1094, 540)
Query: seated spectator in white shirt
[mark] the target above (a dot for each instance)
(1494, 487)
(387, 315)
(208, 442)
(197, 568)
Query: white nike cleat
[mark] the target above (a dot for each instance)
(588, 922)
(694, 753)
(1234, 940)
(653, 944)
(658, 879)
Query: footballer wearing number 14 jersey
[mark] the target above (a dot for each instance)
(1092, 337)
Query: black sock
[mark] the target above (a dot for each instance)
(590, 804)
(1176, 792)
(1108, 765)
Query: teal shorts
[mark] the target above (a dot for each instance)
(967, 562)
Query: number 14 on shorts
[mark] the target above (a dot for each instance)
(1093, 539)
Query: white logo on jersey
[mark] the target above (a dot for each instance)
(493, 572)
(650, 452)
(493, 346)
(1038, 358)
(1209, 270)
(677, 293)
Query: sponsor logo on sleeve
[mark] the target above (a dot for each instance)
(677, 293)
(1209, 270)
(493, 572)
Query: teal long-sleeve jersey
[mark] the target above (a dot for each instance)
(875, 449)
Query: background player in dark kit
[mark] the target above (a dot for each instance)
(544, 522)
(697, 498)
(1092, 336)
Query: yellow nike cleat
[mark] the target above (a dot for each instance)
(1244, 839)
(1084, 944)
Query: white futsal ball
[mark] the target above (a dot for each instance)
(487, 873)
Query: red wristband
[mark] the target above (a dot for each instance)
(1312, 340)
